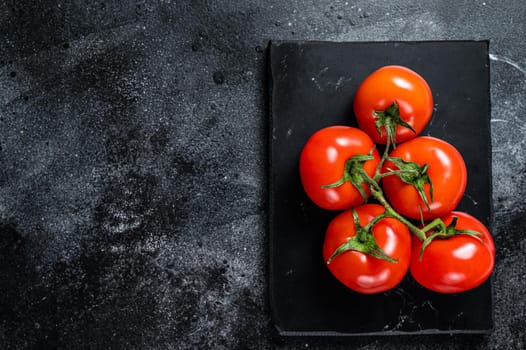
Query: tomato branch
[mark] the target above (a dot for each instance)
(395, 172)
(374, 221)
(378, 194)
(385, 155)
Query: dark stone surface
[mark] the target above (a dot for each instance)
(133, 155)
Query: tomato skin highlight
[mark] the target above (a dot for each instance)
(447, 171)
(322, 162)
(361, 272)
(455, 264)
(393, 84)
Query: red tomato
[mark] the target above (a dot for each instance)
(447, 172)
(454, 264)
(393, 84)
(322, 162)
(361, 272)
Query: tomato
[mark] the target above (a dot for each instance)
(393, 84)
(446, 171)
(362, 272)
(323, 161)
(457, 263)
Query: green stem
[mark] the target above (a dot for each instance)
(389, 119)
(352, 170)
(377, 173)
(394, 172)
(435, 223)
(374, 221)
(361, 234)
(378, 194)
(363, 241)
(370, 181)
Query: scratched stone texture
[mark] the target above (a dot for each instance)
(133, 166)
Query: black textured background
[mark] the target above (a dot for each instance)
(133, 155)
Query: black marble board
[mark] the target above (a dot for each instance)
(312, 86)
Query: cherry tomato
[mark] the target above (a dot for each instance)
(361, 272)
(393, 84)
(447, 173)
(323, 161)
(454, 264)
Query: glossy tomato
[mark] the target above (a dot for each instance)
(446, 171)
(457, 263)
(393, 84)
(361, 272)
(323, 161)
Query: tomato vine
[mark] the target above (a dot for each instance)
(340, 169)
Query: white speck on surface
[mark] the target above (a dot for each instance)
(475, 203)
(512, 63)
(316, 83)
(317, 77)
(339, 82)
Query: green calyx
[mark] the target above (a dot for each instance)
(445, 232)
(363, 241)
(413, 174)
(389, 119)
(353, 172)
